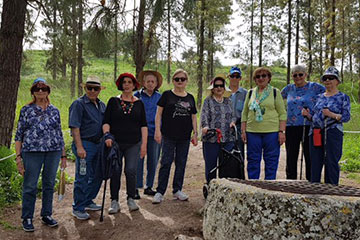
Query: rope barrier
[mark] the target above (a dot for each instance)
(2, 159)
(352, 132)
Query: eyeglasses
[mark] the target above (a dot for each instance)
(298, 75)
(235, 76)
(43, 89)
(219, 86)
(328, 79)
(90, 88)
(180, 79)
(261, 76)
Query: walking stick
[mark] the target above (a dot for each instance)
(302, 150)
(102, 204)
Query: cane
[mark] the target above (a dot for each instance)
(102, 204)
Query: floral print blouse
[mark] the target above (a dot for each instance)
(338, 103)
(218, 115)
(39, 130)
(299, 97)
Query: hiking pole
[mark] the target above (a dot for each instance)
(102, 204)
(302, 150)
(303, 144)
(325, 137)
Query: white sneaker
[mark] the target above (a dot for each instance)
(158, 198)
(181, 196)
(132, 205)
(114, 208)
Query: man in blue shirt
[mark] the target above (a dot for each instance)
(150, 82)
(237, 99)
(85, 120)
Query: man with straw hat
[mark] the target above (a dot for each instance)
(85, 121)
(149, 94)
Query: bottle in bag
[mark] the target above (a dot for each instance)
(82, 166)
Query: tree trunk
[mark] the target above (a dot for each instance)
(358, 52)
(11, 38)
(80, 61)
(309, 41)
(169, 42)
(321, 38)
(333, 35)
(54, 61)
(343, 48)
(327, 45)
(116, 43)
(297, 32)
(261, 31)
(73, 50)
(252, 44)
(289, 44)
(201, 55)
(139, 43)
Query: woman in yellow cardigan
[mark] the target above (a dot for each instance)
(263, 123)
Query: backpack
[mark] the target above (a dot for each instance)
(274, 89)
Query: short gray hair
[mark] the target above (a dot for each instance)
(298, 68)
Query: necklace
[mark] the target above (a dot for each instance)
(221, 100)
(127, 107)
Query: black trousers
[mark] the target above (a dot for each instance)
(294, 136)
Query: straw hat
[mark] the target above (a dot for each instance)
(158, 76)
(227, 92)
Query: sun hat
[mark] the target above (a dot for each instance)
(227, 92)
(37, 81)
(331, 71)
(93, 80)
(235, 69)
(120, 79)
(144, 73)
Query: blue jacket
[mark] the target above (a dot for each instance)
(108, 158)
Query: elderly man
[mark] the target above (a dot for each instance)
(85, 121)
(238, 99)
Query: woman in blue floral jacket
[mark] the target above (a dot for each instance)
(331, 110)
(39, 145)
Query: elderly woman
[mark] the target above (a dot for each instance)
(175, 120)
(39, 147)
(331, 110)
(300, 95)
(263, 125)
(125, 119)
(151, 82)
(217, 112)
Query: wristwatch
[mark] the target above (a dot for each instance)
(280, 131)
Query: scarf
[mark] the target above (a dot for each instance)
(255, 105)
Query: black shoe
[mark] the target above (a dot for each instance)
(49, 221)
(149, 191)
(28, 225)
(137, 195)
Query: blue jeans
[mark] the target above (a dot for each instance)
(211, 154)
(172, 150)
(87, 186)
(131, 155)
(266, 144)
(33, 162)
(334, 142)
(153, 153)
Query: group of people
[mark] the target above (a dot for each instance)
(141, 122)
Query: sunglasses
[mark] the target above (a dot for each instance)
(219, 86)
(90, 88)
(261, 76)
(235, 76)
(328, 79)
(43, 89)
(298, 75)
(180, 79)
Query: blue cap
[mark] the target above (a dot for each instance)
(39, 80)
(331, 71)
(235, 70)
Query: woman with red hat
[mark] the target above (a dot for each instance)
(125, 119)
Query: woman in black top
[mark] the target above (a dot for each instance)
(176, 113)
(125, 119)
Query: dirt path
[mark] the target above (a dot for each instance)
(163, 221)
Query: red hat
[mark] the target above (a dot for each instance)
(119, 81)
